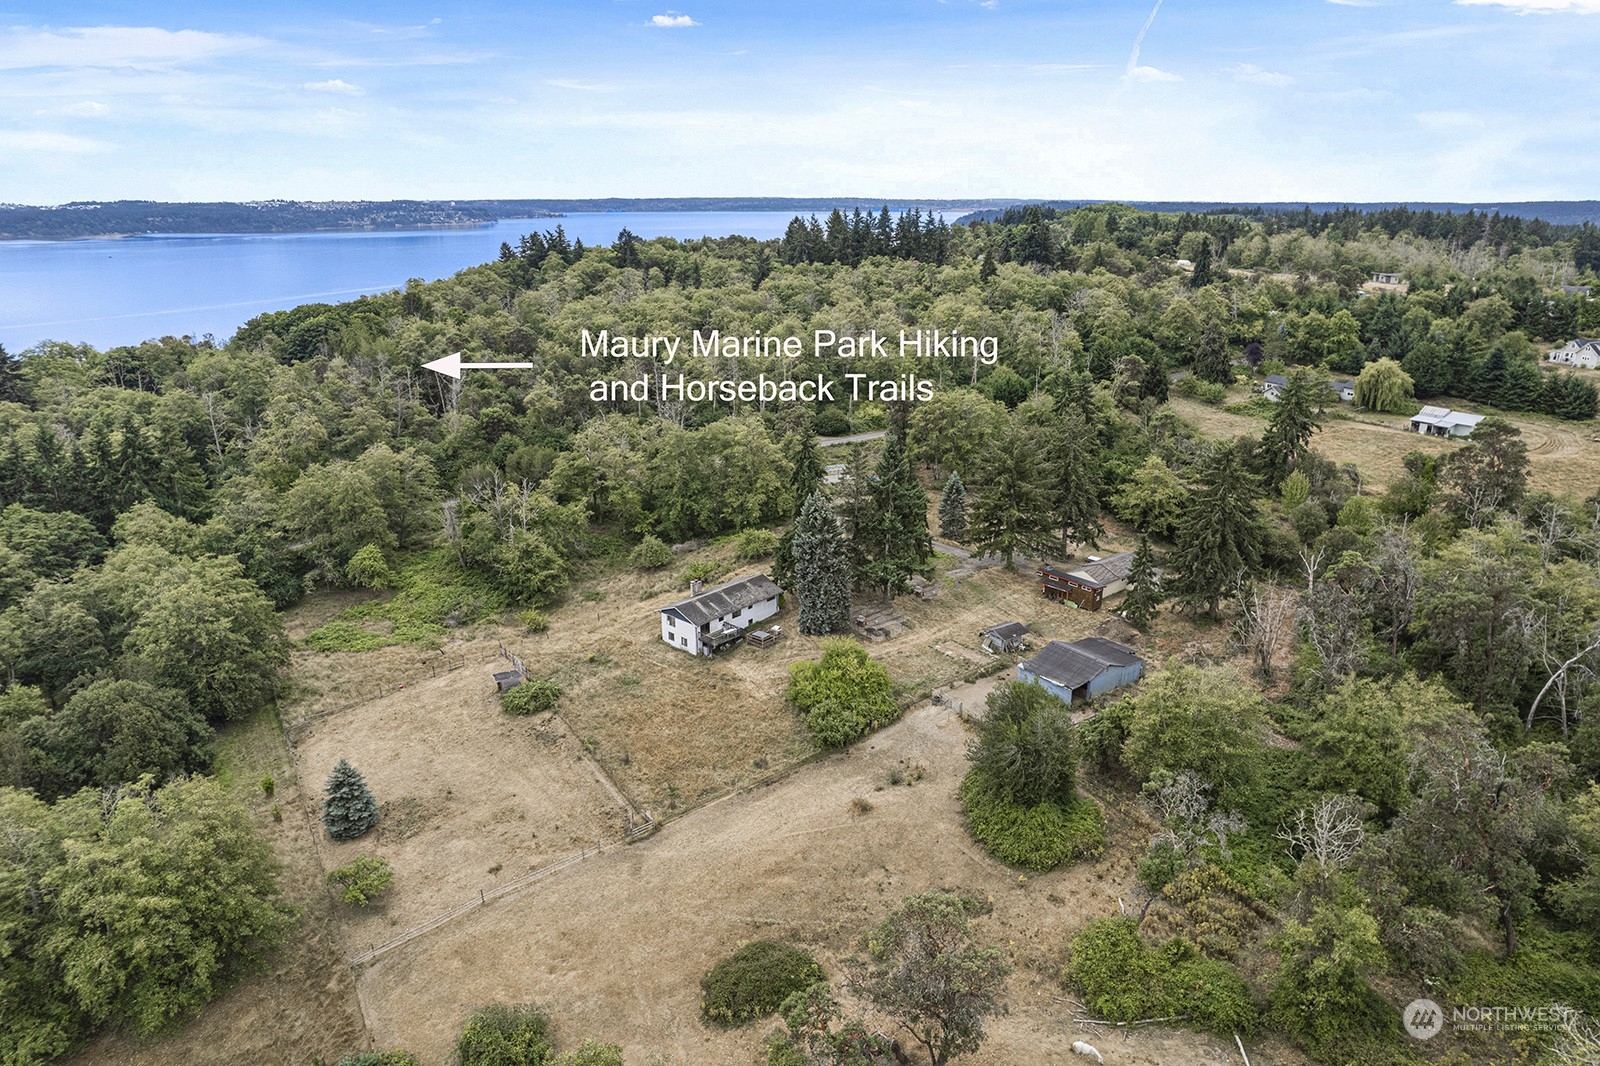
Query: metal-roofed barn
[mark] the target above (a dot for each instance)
(710, 620)
(1082, 669)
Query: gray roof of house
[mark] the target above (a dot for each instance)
(1006, 630)
(1277, 379)
(1078, 663)
(1105, 571)
(725, 599)
(1345, 384)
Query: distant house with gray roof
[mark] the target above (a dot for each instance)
(1579, 352)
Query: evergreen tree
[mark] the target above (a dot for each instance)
(1220, 535)
(1202, 275)
(1144, 589)
(953, 509)
(10, 377)
(1011, 508)
(1211, 361)
(895, 541)
(1294, 419)
(1077, 496)
(349, 811)
(808, 470)
(821, 566)
(987, 269)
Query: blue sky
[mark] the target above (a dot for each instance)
(1185, 99)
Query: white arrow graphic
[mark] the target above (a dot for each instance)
(451, 366)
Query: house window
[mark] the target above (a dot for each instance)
(672, 622)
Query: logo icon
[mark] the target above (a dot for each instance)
(1423, 1018)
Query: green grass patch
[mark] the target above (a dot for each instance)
(345, 636)
(431, 595)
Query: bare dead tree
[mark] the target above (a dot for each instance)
(1330, 620)
(1265, 622)
(1329, 834)
(1182, 803)
(1561, 677)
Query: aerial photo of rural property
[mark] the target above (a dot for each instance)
(1000, 534)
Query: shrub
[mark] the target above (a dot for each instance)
(361, 880)
(753, 981)
(651, 553)
(704, 570)
(379, 1058)
(591, 1053)
(534, 620)
(531, 697)
(1041, 837)
(757, 544)
(1122, 980)
(831, 422)
(367, 568)
(1204, 391)
(505, 1034)
(843, 695)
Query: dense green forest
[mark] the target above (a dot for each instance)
(1402, 796)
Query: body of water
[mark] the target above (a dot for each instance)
(112, 292)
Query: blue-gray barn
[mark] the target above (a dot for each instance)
(1082, 669)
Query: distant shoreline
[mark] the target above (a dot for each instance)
(120, 219)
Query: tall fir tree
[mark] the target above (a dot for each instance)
(1220, 534)
(809, 472)
(1211, 362)
(895, 537)
(1202, 275)
(1144, 588)
(1077, 480)
(1010, 510)
(953, 509)
(1294, 419)
(10, 377)
(821, 564)
(349, 811)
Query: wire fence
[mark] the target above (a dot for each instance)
(376, 690)
(485, 897)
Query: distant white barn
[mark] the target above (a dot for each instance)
(710, 620)
(1443, 422)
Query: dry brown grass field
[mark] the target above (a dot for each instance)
(615, 944)
(1562, 458)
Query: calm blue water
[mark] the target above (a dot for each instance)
(107, 293)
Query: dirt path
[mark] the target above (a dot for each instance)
(616, 945)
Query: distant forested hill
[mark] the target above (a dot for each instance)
(1557, 212)
(92, 219)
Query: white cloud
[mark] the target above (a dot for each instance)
(1150, 74)
(81, 109)
(1539, 7)
(672, 21)
(47, 143)
(580, 86)
(1450, 120)
(1252, 73)
(116, 47)
(334, 85)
